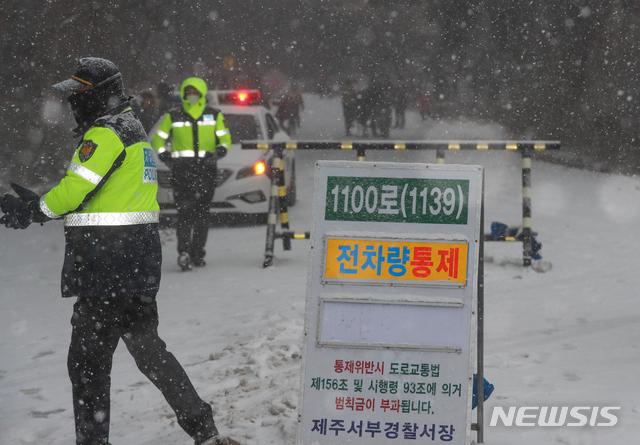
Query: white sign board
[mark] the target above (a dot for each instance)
(390, 311)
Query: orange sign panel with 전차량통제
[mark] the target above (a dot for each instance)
(396, 261)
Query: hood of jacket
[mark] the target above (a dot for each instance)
(194, 110)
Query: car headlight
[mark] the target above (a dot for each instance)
(257, 169)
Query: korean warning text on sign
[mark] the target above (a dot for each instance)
(391, 430)
(397, 260)
(384, 389)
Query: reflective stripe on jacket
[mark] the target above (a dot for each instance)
(112, 178)
(188, 136)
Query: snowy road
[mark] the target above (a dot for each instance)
(566, 337)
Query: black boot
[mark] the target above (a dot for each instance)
(184, 261)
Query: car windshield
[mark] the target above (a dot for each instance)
(243, 127)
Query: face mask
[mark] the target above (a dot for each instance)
(86, 108)
(193, 98)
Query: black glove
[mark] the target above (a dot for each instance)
(210, 159)
(16, 214)
(221, 151)
(20, 212)
(24, 193)
(165, 157)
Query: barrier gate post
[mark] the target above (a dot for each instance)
(278, 206)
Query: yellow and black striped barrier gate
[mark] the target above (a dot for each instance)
(278, 201)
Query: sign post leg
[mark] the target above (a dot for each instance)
(526, 206)
(480, 319)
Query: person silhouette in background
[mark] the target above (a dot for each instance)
(289, 107)
(165, 98)
(400, 106)
(349, 105)
(147, 110)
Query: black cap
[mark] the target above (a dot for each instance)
(90, 71)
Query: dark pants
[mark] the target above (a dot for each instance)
(98, 324)
(193, 191)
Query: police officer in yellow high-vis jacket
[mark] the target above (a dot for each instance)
(113, 254)
(189, 140)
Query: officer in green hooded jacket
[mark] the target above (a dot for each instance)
(190, 139)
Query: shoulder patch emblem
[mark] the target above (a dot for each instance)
(87, 149)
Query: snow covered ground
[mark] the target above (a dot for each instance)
(567, 334)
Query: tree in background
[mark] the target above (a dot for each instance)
(551, 69)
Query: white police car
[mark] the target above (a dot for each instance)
(244, 176)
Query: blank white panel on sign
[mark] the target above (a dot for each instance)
(362, 324)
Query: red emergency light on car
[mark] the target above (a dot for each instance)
(238, 97)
